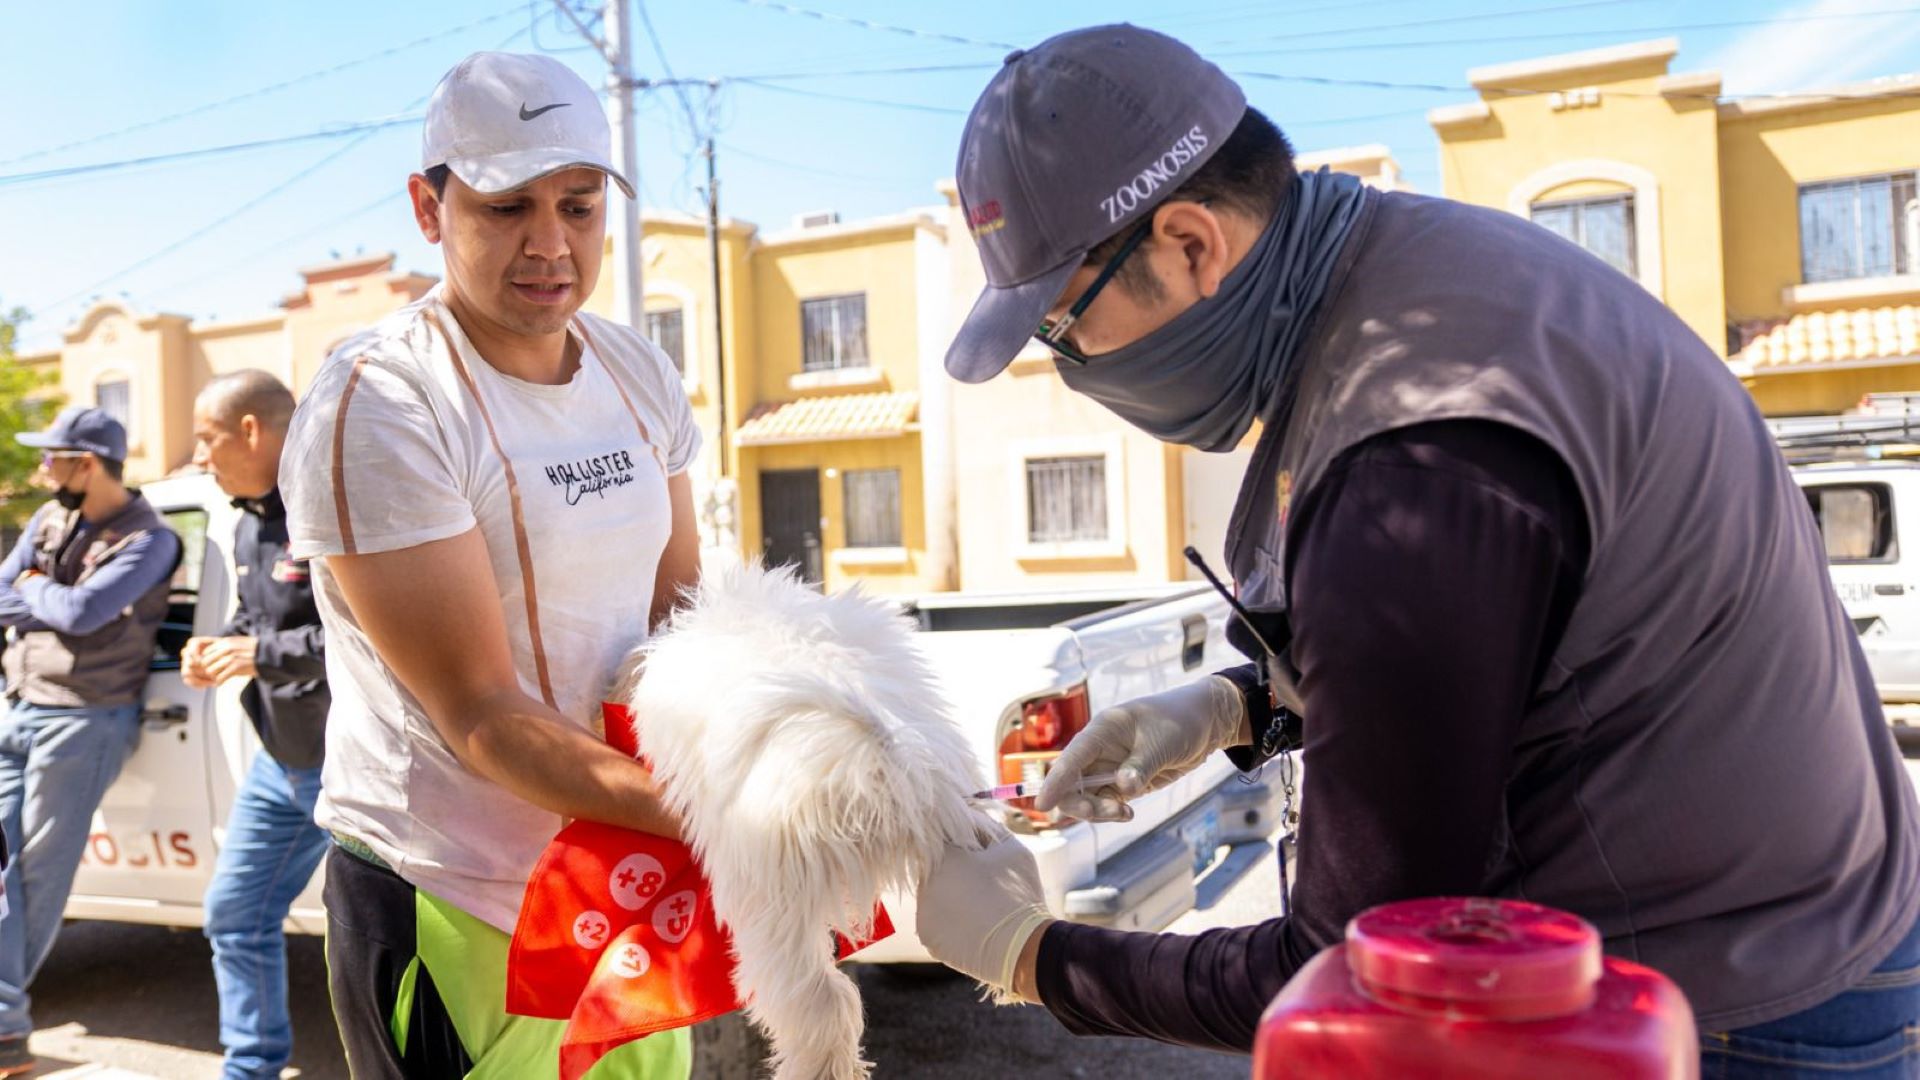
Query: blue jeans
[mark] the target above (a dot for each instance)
(1870, 1031)
(271, 850)
(55, 764)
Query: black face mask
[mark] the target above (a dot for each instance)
(1202, 379)
(68, 499)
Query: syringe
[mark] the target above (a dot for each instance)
(1026, 789)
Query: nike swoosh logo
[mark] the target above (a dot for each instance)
(525, 115)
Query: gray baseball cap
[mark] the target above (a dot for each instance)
(1073, 141)
(80, 427)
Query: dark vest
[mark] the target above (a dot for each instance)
(1704, 770)
(108, 666)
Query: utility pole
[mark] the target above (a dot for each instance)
(616, 48)
(713, 257)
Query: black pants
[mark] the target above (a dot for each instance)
(371, 945)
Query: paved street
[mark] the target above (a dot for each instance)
(120, 1002)
(129, 1002)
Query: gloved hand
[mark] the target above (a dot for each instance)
(979, 905)
(1150, 742)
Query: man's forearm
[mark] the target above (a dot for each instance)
(13, 607)
(1205, 991)
(533, 752)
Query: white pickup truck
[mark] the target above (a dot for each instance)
(1023, 673)
(1869, 516)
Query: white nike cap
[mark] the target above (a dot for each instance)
(503, 120)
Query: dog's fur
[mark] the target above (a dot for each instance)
(802, 740)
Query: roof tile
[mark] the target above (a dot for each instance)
(825, 419)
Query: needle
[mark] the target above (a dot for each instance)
(1023, 790)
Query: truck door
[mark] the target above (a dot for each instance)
(1859, 525)
(150, 853)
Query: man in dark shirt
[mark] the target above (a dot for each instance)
(274, 641)
(1543, 601)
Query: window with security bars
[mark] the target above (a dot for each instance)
(1603, 226)
(1863, 227)
(667, 329)
(873, 508)
(1066, 499)
(833, 333)
(116, 400)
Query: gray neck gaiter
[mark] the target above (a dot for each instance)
(1203, 378)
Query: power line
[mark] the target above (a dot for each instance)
(264, 90)
(168, 249)
(367, 133)
(679, 88)
(15, 179)
(1564, 34)
(1408, 24)
(1518, 91)
(279, 246)
(1331, 120)
(881, 103)
(692, 151)
(868, 24)
(867, 181)
(1229, 15)
(922, 69)
(767, 82)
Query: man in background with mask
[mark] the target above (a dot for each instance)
(82, 596)
(1549, 610)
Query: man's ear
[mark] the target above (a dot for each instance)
(1195, 231)
(426, 207)
(250, 430)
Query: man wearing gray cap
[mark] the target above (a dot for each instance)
(491, 488)
(1525, 570)
(82, 596)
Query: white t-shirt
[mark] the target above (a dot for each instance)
(398, 444)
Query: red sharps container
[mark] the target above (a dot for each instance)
(1480, 989)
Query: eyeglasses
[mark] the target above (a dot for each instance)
(48, 457)
(1052, 332)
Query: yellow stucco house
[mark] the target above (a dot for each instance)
(1784, 229)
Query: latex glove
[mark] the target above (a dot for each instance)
(1150, 742)
(979, 905)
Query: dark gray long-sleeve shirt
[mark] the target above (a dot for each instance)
(1435, 571)
(288, 699)
(40, 603)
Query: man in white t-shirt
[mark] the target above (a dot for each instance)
(493, 490)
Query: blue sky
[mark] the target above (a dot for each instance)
(224, 235)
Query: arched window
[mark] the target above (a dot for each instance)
(113, 395)
(1620, 225)
(1603, 226)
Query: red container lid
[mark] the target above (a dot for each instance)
(1475, 958)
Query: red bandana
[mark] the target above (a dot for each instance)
(617, 937)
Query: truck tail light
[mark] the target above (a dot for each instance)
(1036, 737)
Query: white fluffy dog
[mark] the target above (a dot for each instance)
(802, 740)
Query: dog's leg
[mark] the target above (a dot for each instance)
(796, 993)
